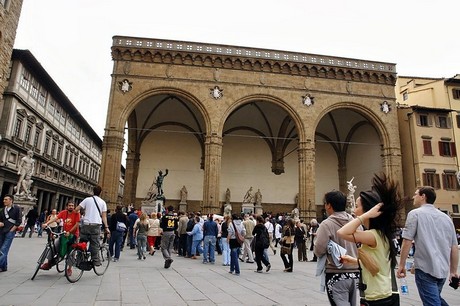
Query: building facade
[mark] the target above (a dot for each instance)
(10, 11)
(429, 122)
(37, 116)
(226, 118)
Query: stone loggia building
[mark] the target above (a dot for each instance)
(293, 125)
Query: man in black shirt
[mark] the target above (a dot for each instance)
(169, 225)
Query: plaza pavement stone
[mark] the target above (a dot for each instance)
(187, 282)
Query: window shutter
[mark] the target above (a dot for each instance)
(437, 181)
(437, 121)
(444, 181)
(424, 179)
(430, 122)
(452, 149)
(418, 119)
(441, 150)
(449, 122)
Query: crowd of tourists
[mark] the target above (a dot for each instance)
(356, 254)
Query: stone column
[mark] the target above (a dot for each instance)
(392, 164)
(112, 148)
(307, 178)
(131, 174)
(212, 168)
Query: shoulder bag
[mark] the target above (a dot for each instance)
(392, 300)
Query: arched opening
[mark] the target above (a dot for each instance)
(348, 146)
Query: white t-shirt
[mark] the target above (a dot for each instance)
(269, 227)
(91, 212)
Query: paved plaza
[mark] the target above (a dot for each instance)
(188, 282)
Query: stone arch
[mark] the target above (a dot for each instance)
(362, 109)
(268, 98)
(131, 105)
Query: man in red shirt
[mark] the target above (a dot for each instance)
(70, 220)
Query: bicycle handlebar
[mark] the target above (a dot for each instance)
(49, 230)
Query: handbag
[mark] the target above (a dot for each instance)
(121, 227)
(239, 237)
(392, 300)
(286, 250)
(286, 247)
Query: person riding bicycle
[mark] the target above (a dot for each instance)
(95, 216)
(71, 220)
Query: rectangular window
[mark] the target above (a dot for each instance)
(25, 80)
(423, 120)
(42, 97)
(36, 139)
(53, 149)
(427, 150)
(17, 128)
(447, 148)
(443, 122)
(431, 179)
(405, 96)
(449, 180)
(455, 208)
(47, 145)
(456, 94)
(59, 153)
(28, 132)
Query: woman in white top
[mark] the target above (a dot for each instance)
(153, 233)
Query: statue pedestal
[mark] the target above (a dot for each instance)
(258, 210)
(247, 208)
(183, 206)
(26, 205)
(150, 207)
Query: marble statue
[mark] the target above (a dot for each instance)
(249, 196)
(183, 194)
(258, 197)
(26, 168)
(227, 196)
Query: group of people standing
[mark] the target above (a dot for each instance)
(358, 252)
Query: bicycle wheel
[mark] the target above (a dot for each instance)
(60, 264)
(71, 271)
(41, 260)
(105, 260)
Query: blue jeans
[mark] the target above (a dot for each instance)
(116, 240)
(6, 239)
(196, 247)
(234, 262)
(141, 245)
(429, 288)
(209, 248)
(225, 251)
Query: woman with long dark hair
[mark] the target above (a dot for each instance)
(288, 242)
(377, 211)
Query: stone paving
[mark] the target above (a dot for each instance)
(188, 282)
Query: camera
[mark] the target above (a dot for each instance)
(454, 282)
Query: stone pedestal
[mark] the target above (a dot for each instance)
(247, 208)
(183, 206)
(153, 206)
(258, 210)
(25, 205)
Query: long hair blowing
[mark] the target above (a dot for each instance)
(386, 191)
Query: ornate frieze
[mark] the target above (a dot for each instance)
(250, 59)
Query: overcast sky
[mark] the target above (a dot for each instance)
(72, 38)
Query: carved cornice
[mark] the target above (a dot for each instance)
(251, 59)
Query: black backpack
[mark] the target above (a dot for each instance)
(262, 239)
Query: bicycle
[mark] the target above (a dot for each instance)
(79, 260)
(50, 247)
